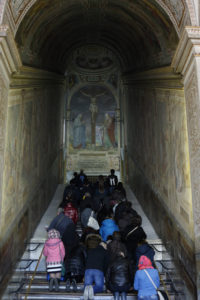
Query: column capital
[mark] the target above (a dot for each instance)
(187, 49)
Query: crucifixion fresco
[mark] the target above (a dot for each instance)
(93, 125)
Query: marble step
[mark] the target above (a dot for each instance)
(44, 295)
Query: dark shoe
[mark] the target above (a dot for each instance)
(51, 284)
(68, 285)
(74, 285)
(56, 284)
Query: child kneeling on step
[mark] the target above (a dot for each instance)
(54, 251)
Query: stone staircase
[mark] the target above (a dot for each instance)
(18, 287)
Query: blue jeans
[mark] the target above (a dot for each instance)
(94, 276)
(152, 297)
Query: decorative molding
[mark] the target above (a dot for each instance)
(8, 50)
(188, 47)
(160, 77)
(27, 76)
(192, 13)
(168, 7)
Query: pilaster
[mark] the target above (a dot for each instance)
(9, 64)
(186, 61)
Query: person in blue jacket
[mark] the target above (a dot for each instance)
(108, 226)
(147, 290)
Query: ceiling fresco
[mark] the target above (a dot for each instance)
(139, 32)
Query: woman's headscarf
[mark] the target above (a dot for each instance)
(53, 234)
(144, 263)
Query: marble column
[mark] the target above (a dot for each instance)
(187, 62)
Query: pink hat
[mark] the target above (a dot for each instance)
(144, 263)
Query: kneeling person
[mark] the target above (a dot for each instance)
(96, 265)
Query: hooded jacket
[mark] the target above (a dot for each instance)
(71, 212)
(107, 228)
(142, 283)
(54, 251)
(144, 249)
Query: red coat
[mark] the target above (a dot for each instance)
(71, 212)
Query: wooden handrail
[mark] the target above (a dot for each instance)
(33, 275)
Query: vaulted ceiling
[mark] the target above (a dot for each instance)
(138, 32)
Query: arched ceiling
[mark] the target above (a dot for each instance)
(139, 32)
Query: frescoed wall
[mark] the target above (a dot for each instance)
(158, 161)
(32, 158)
(34, 137)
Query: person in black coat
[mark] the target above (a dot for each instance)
(96, 266)
(131, 236)
(115, 246)
(67, 230)
(124, 208)
(119, 276)
(75, 266)
(112, 180)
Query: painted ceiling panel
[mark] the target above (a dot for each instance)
(139, 32)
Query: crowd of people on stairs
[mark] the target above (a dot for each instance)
(111, 253)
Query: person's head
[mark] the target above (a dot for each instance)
(69, 196)
(86, 182)
(120, 185)
(81, 171)
(72, 181)
(75, 174)
(144, 263)
(112, 171)
(93, 240)
(100, 178)
(116, 236)
(53, 234)
(60, 210)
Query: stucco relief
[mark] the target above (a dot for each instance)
(193, 112)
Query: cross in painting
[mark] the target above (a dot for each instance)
(94, 111)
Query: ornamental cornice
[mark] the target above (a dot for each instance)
(8, 50)
(188, 48)
(160, 77)
(27, 76)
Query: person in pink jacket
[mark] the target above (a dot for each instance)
(54, 251)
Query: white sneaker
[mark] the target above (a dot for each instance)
(90, 292)
(85, 294)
